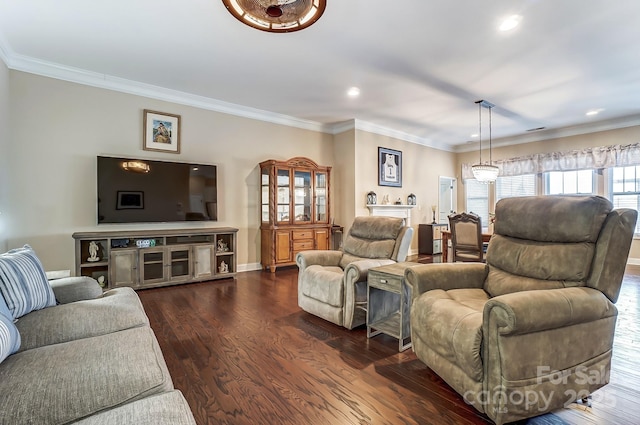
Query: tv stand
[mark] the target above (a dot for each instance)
(152, 258)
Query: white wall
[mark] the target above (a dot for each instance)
(5, 137)
(421, 168)
(59, 128)
(344, 198)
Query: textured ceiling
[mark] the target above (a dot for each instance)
(420, 65)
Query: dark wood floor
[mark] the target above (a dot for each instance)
(242, 352)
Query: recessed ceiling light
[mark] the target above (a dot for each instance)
(593, 112)
(353, 92)
(510, 23)
(474, 135)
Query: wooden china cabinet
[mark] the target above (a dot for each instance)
(294, 210)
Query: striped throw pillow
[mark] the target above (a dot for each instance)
(9, 335)
(23, 282)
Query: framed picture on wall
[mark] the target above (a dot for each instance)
(389, 167)
(161, 132)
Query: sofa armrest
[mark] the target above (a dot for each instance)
(305, 259)
(70, 289)
(534, 311)
(445, 276)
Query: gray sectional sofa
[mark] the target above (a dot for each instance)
(90, 359)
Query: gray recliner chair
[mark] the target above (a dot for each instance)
(532, 329)
(332, 284)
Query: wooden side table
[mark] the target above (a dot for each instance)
(388, 303)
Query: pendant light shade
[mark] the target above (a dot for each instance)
(484, 172)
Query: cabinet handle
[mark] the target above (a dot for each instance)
(383, 280)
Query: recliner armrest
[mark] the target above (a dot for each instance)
(305, 259)
(445, 276)
(71, 289)
(358, 271)
(539, 310)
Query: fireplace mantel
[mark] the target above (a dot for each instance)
(392, 210)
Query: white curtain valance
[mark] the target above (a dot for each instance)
(589, 158)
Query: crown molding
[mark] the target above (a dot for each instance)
(575, 130)
(357, 124)
(341, 127)
(104, 81)
(95, 79)
(5, 50)
(76, 75)
(401, 135)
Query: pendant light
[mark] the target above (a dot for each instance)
(484, 173)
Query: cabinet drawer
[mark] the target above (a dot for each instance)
(302, 245)
(386, 282)
(302, 234)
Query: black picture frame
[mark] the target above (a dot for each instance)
(128, 200)
(389, 167)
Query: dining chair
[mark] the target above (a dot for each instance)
(466, 237)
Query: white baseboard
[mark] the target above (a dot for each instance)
(633, 261)
(249, 267)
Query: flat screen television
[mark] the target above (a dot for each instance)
(144, 191)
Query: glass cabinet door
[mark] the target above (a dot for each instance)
(152, 265)
(302, 195)
(283, 187)
(264, 200)
(179, 261)
(321, 198)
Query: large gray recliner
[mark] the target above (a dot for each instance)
(332, 283)
(531, 330)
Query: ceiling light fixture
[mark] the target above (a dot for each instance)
(484, 173)
(593, 112)
(510, 23)
(353, 92)
(276, 15)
